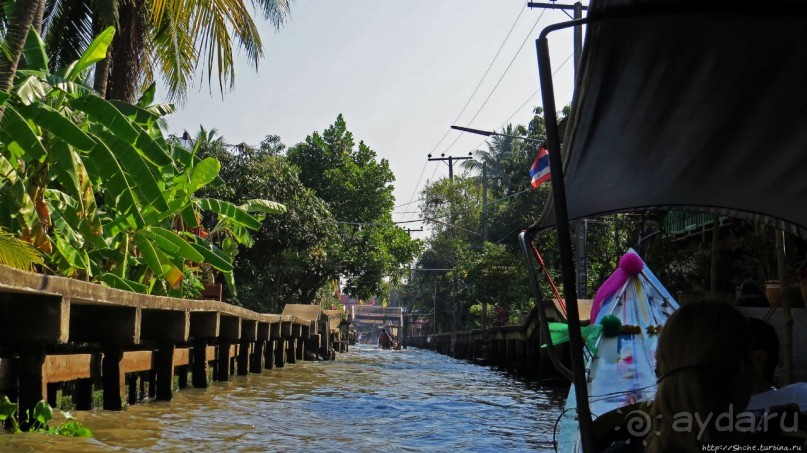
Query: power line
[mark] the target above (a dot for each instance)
(534, 93)
(483, 77)
(508, 67)
(500, 78)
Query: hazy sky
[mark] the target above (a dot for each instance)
(399, 71)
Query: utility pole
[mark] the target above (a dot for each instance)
(484, 232)
(410, 230)
(450, 160)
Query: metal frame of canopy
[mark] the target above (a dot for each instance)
(632, 10)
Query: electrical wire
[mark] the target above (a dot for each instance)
(483, 77)
(507, 68)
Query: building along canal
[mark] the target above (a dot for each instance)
(366, 400)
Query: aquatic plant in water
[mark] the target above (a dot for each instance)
(38, 421)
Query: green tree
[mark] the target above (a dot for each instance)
(289, 260)
(358, 191)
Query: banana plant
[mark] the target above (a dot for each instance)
(94, 185)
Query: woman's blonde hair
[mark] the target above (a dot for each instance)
(704, 370)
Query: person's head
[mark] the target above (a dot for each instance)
(764, 353)
(704, 367)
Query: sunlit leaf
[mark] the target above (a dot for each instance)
(173, 243)
(266, 206)
(230, 211)
(94, 53)
(203, 173)
(113, 281)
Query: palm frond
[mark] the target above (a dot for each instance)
(67, 31)
(17, 253)
(275, 11)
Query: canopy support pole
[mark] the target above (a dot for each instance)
(565, 242)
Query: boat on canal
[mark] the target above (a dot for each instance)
(629, 310)
(679, 105)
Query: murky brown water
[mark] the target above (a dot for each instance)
(366, 400)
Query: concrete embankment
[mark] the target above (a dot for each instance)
(56, 330)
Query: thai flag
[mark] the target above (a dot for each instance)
(539, 173)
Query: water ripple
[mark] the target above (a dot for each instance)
(367, 400)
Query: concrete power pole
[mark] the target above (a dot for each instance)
(450, 160)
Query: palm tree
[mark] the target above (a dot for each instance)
(17, 253)
(500, 151)
(16, 32)
(169, 37)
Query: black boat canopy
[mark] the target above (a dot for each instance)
(690, 105)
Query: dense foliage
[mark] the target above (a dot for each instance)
(337, 225)
(96, 188)
(467, 267)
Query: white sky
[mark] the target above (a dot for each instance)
(399, 71)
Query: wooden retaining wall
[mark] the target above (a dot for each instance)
(55, 330)
(514, 349)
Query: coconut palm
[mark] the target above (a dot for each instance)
(167, 37)
(499, 155)
(17, 253)
(14, 31)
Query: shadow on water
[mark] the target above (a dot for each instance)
(367, 400)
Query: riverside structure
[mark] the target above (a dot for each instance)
(55, 330)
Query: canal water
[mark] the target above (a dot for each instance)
(367, 400)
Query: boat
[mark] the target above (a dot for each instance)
(689, 105)
(621, 363)
(390, 332)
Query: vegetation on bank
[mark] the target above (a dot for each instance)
(38, 419)
(338, 224)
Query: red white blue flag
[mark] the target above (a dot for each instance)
(539, 173)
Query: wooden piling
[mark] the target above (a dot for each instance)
(280, 353)
(256, 359)
(164, 361)
(223, 361)
(200, 365)
(112, 379)
(291, 353)
(243, 357)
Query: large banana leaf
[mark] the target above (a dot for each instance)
(230, 211)
(157, 260)
(266, 206)
(213, 255)
(113, 281)
(103, 112)
(173, 244)
(203, 173)
(30, 89)
(137, 169)
(34, 52)
(19, 131)
(95, 52)
(56, 123)
(117, 184)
